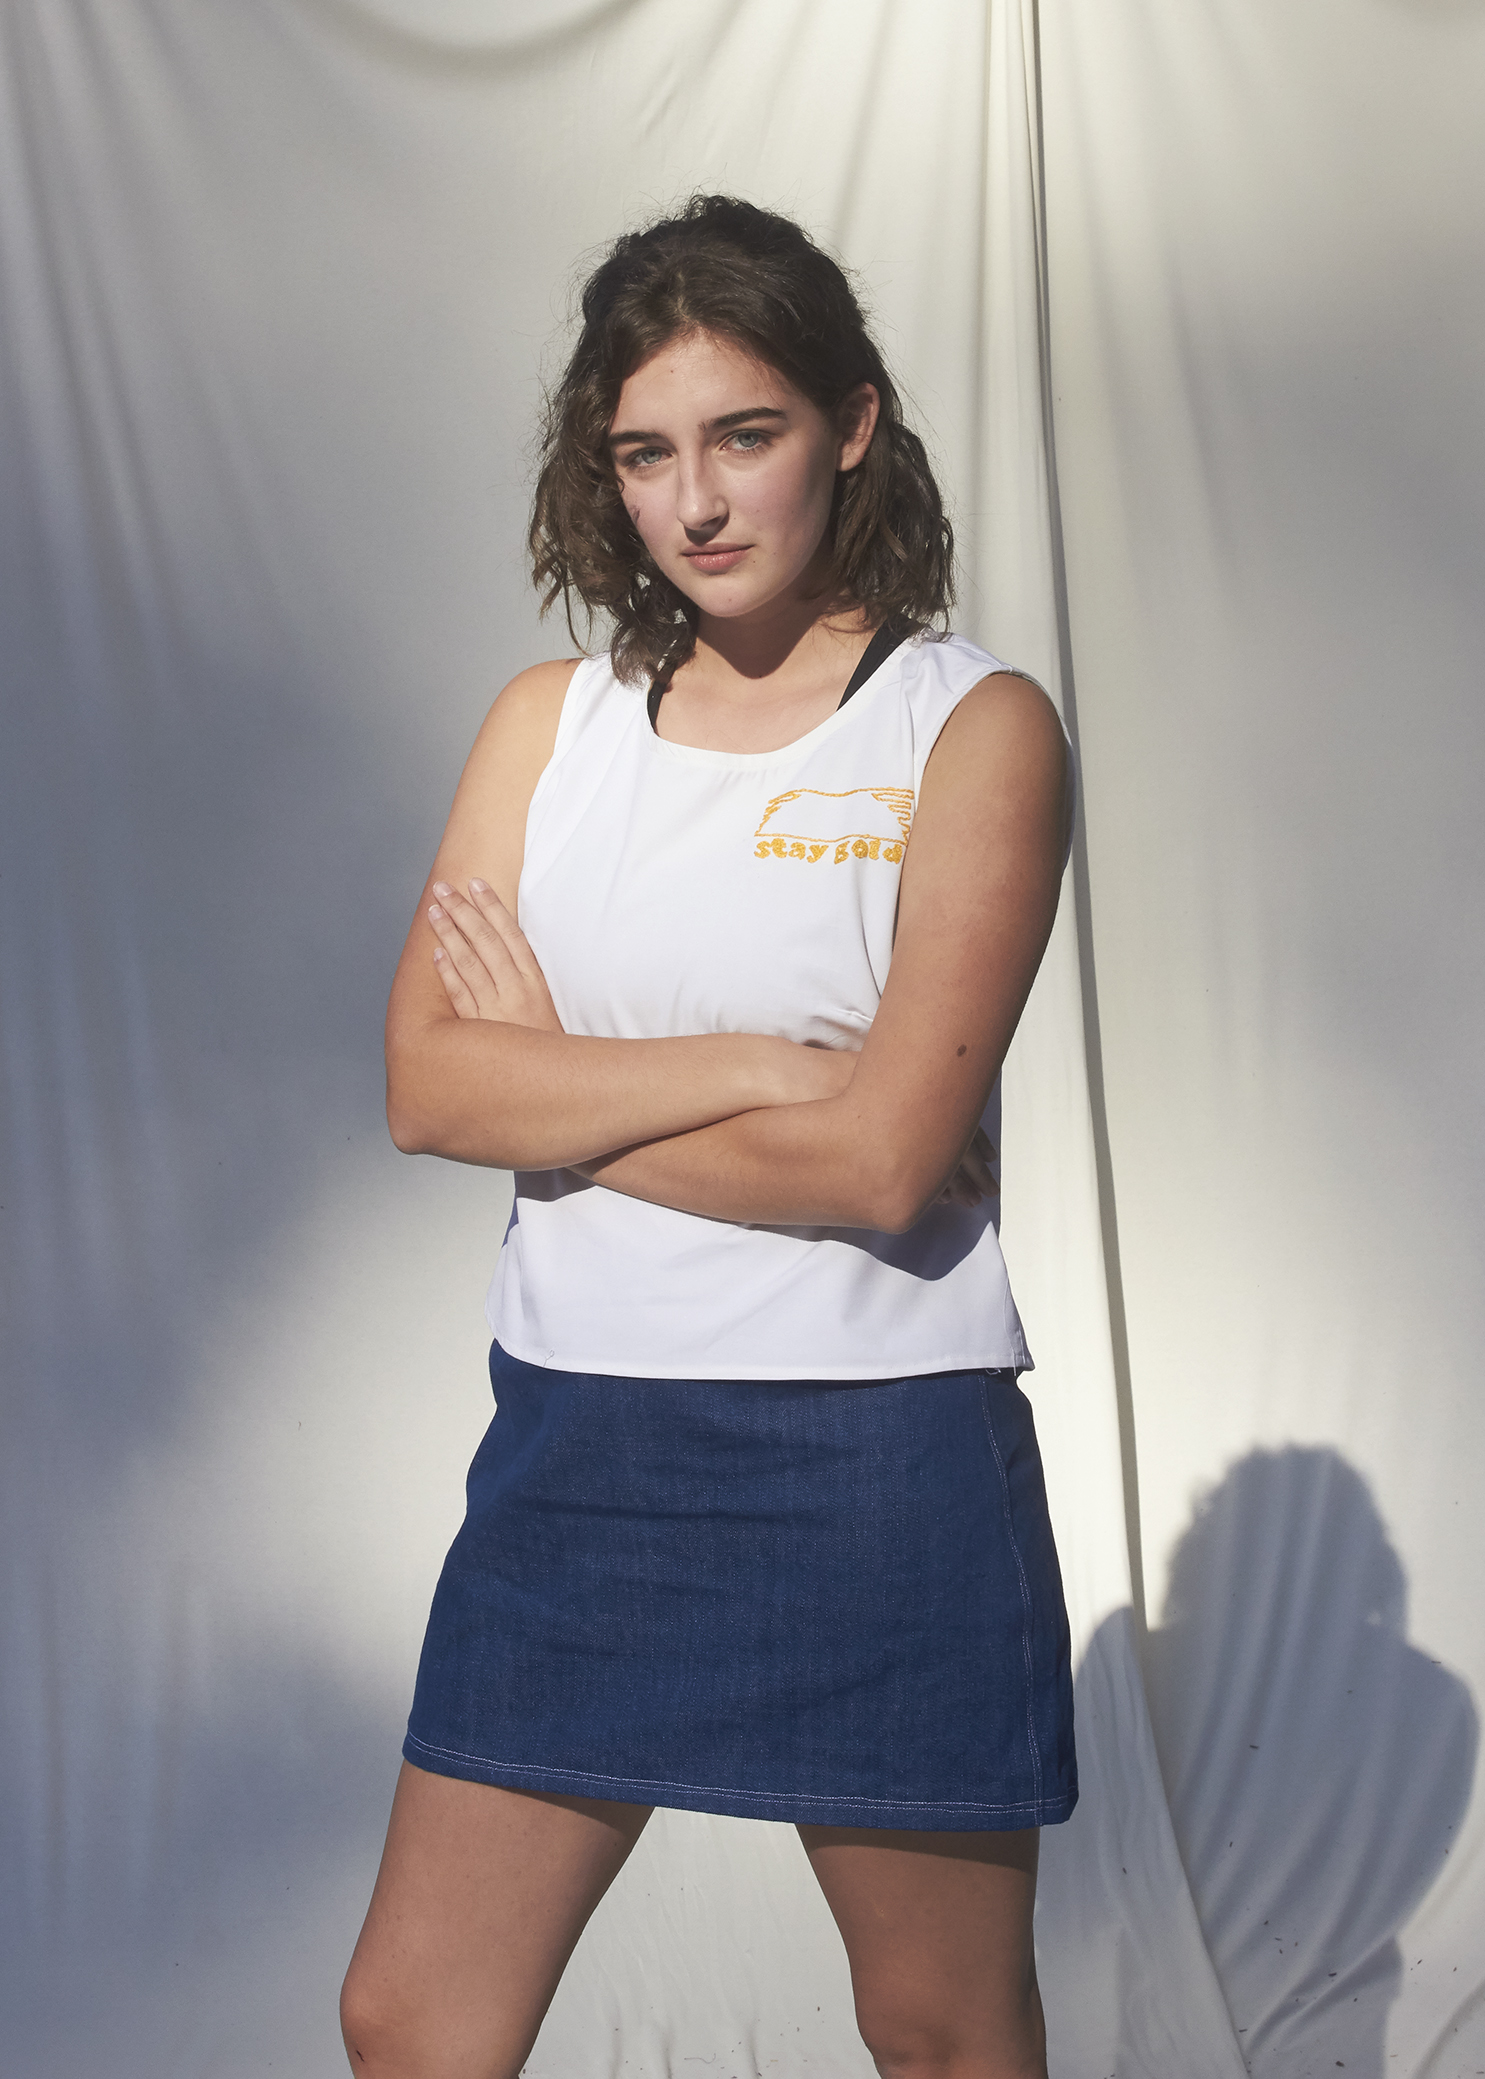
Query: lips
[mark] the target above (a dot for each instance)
(716, 559)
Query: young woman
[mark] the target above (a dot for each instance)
(721, 953)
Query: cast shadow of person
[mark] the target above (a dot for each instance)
(1317, 1765)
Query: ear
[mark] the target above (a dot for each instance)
(857, 420)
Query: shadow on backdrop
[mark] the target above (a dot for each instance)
(1317, 1764)
(192, 1798)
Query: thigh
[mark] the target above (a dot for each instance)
(937, 1927)
(480, 1899)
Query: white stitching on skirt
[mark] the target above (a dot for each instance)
(1010, 1528)
(767, 1797)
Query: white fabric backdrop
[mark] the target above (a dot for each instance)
(278, 280)
(1268, 292)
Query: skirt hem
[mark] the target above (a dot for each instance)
(799, 1807)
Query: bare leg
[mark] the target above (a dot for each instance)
(938, 1931)
(479, 1902)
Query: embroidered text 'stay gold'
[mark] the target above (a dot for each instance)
(861, 823)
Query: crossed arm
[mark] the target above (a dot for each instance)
(738, 1126)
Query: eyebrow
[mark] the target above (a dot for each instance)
(724, 424)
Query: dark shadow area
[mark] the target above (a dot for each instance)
(1317, 1764)
(220, 794)
(192, 1043)
(202, 1928)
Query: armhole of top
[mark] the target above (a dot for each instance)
(569, 722)
(1074, 792)
(576, 704)
(1074, 783)
(588, 701)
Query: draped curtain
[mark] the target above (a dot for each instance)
(1188, 304)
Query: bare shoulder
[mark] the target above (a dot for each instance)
(486, 831)
(517, 737)
(1012, 713)
(1004, 738)
(528, 709)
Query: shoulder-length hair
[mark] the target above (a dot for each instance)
(726, 267)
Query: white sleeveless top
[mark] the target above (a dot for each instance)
(668, 890)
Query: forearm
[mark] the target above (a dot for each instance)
(824, 1164)
(514, 1098)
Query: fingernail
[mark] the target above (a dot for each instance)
(434, 911)
(442, 888)
(480, 887)
(438, 954)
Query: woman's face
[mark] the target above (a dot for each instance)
(728, 472)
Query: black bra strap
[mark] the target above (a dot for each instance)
(873, 657)
(656, 694)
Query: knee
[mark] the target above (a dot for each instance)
(397, 2026)
(901, 2057)
(384, 2037)
(368, 2027)
(903, 2052)
(908, 2045)
(907, 2053)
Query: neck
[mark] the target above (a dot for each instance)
(759, 686)
(785, 643)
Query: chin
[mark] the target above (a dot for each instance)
(728, 609)
(722, 596)
(728, 597)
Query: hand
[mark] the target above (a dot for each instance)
(974, 1179)
(485, 961)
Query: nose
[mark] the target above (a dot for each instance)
(700, 505)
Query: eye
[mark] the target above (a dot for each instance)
(751, 435)
(642, 458)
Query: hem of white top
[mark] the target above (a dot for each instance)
(766, 1374)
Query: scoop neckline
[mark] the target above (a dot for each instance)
(696, 754)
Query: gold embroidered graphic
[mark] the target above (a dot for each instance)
(861, 823)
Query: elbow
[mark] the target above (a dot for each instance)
(408, 1131)
(426, 1117)
(407, 1121)
(407, 1138)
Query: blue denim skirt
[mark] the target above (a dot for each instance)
(809, 1600)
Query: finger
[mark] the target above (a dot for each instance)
(481, 933)
(481, 893)
(465, 961)
(981, 1175)
(980, 1157)
(516, 943)
(961, 1191)
(460, 995)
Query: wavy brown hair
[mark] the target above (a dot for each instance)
(726, 267)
